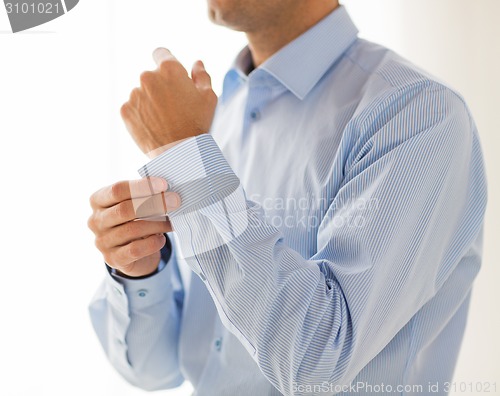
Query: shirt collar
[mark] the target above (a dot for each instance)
(300, 64)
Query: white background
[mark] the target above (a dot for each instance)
(61, 87)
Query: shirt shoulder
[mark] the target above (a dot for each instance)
(387, 70)
(395, 101)
(390, 86)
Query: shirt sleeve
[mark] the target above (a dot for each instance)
(413, 180)
(137, 323)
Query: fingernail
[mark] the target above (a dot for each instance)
(160, 49)
(159, 185)
(172, 201)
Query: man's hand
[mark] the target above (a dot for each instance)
(169, 106)
(130, 245)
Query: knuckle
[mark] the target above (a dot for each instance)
(109, 259)
(135, 95)
(170, 68)
(99, 243)
(130, 230)
(153, 244)
(91, 222)
(125, 111)
(96, 222)
(122, 211)
(100, 220)
(125, 231)
(135, 251)
(92, 199)
(116, 191)
(146, 79)
(166, 66)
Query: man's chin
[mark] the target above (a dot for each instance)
(215, 16)
(217, 19)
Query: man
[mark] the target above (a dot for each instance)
(326, 232)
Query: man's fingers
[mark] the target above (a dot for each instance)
(143, 266)
(157, 205)
(137, 208)
(125, 190)
(200, 76)
(131, 231)
(121, 257)
(127, 243)
(121, 213)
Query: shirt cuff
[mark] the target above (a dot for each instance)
(195, 169)
(137, 293)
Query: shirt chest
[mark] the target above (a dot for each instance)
(288, 159)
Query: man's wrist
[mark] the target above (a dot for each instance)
(160, 150)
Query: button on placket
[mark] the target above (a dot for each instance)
(255, 114)
(142, 293)
(218, 344)
(258, 95)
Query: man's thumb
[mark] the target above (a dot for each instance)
(200, 76)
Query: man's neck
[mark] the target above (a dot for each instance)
(266, 42)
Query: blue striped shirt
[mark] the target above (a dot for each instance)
(328, 238)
